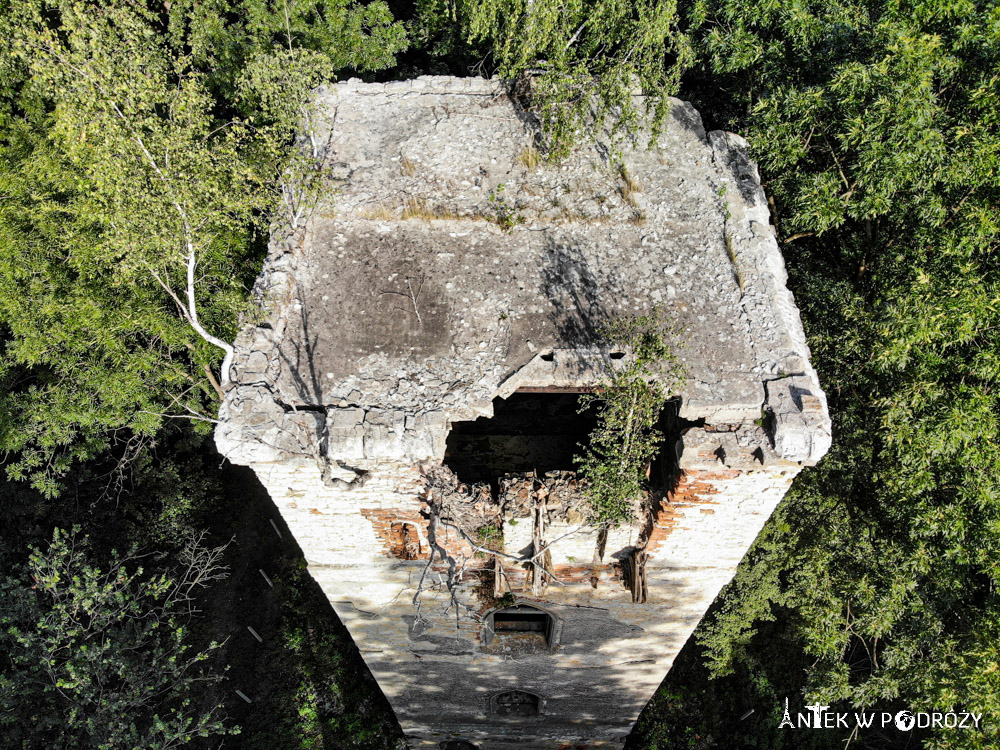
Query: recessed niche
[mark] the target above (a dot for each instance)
(404, 541)
(515, 704)
(520, 629)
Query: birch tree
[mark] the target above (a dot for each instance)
(145, 148)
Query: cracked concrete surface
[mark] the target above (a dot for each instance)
(404, 306)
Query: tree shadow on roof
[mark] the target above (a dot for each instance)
(577, 295)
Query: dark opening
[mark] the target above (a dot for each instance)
(514, 703)
(510, 621)
(528, 432)
(664, 468)
(518, 630)
(457, 745)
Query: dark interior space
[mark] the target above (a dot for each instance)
(518, 630)
(663, 470)
(457, 745)
(520, 622)
(528, 432)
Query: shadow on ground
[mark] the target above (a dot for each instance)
(306, 680)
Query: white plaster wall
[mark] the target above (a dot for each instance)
(612, 654)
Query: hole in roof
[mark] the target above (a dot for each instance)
(528, 432)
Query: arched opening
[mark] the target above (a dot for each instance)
(520, 629)
(404, 541)
(515, 704)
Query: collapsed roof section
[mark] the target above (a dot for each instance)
(448, 264)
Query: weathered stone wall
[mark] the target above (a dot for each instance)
(612, 652)
(403, 306)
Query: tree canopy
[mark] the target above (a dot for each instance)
(582, 62)
(143, 151)
(98, 658)
(875, 128)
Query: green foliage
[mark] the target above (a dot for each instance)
(165, 492)
(628, 405)
(323, 695)
(101, 658)
(694, 711)
(586, 60)
(876, 129)
(485, 591)
(136, 139)
(505, 215)
(133, 136)
(489, 535)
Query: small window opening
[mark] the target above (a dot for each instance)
(617, 355)
(515, 704)
(519, 630)
(511, 621)
(405, 541)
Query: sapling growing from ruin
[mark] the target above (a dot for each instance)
(628, 405)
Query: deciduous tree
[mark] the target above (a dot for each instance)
(101, 658)
(144, 149)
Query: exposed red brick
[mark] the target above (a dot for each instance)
(693, 488)
(382, 521)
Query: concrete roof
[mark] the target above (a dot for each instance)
(446, 264)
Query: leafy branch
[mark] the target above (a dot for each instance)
(616, 460)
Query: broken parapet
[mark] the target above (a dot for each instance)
(449, 267)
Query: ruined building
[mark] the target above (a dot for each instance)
(410, 397)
